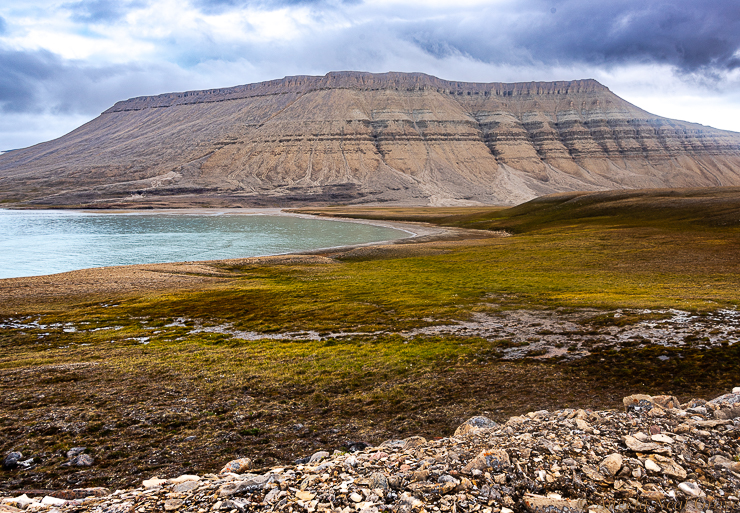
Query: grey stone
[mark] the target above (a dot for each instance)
(379, 480)
(75, 451)
(272, 495)
(82, 460)
(11, 460)
(731, 398)
(722, 462)
(475, 424)
(318, 456)
(253, 482)
(185, 486)
(446, 478)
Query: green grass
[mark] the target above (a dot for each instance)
(579, 267)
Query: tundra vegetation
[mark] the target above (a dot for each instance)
(276, 360)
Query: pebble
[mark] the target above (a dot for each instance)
(612, 464)
(172, 504)
(652, 466)
(544, 461)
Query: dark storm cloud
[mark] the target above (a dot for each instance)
(95, 11)
(689, 35)
(42, 82)
(21, 74)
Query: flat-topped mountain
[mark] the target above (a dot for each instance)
(351, 137)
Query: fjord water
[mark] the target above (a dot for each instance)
(46, 242)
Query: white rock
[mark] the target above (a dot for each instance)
(355, 497)
(52, 501)
(583, 425)
(736, 390)
(665, 439)
(185, 486)
(272, 495)
(318, 456)
(184, 478)
(153, 482)
(652, 466)
(691, 489)
(20, 502)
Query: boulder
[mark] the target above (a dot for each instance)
(318, 456)
(238, 466)
(153, 482)
(11, 460)
(475, 424)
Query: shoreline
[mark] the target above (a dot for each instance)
(20, 293)
(411, 229)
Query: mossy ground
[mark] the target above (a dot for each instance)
(153, 382)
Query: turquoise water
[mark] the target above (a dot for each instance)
(46, 242)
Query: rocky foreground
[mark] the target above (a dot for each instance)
(657, 455)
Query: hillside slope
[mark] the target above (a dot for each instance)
(351, 137)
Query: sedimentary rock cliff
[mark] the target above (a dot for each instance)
(360, 137)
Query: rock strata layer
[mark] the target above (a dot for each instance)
(355, 137)
(662, 458)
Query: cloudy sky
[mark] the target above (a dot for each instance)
(64, 62)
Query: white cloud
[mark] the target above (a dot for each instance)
(21, 129)
(156, 46)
